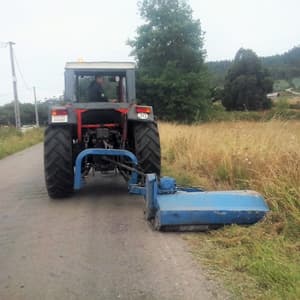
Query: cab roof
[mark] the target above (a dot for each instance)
(103, 65)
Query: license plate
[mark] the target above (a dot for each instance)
(60, 119)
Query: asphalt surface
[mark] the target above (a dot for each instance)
(95, 245)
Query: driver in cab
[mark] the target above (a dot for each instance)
(96, 91)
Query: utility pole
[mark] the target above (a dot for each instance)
(36, 109)
(16, 100)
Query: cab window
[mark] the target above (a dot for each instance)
(114, 87)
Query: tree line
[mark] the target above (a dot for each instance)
(172, 74)
(27, 112)
(285, 66)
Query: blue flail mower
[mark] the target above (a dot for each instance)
(170, 208)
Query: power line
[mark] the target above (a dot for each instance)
(26, 85)
(21, 73)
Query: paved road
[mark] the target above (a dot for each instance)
(94, 245)
(290, 90)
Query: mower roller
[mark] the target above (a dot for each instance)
(100, 128)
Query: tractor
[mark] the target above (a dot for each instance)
(115, 135)
(117, 123)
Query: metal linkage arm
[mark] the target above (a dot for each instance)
(103, 152)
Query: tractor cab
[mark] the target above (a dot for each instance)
(118, 80)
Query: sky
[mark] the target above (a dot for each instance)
(48, 33)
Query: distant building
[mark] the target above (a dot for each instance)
(273, 95)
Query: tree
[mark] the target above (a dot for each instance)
(218, 71)
(247, 83)
(169, 51)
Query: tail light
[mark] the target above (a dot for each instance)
(143, 109)
(59, 112)
(59, 115)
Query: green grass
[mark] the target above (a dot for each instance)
(253, 262)
(296, 83)
(281, 110)
(12, 141)
(281, 85)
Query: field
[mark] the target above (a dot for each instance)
(286, 107)
(281, 85)
(262, 261)
(296, 83)
(12, 141)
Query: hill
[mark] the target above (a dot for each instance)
(284, 69)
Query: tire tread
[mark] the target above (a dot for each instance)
(147, 147)
(58, 161)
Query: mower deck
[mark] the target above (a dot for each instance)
(210, 208)
(171, 208)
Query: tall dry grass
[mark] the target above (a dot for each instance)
(264, 156)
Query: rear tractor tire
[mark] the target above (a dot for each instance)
(147, 147)
(58, 161)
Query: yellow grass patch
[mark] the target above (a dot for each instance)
(264, 260)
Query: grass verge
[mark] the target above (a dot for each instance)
(12, 141)
(261, 261)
